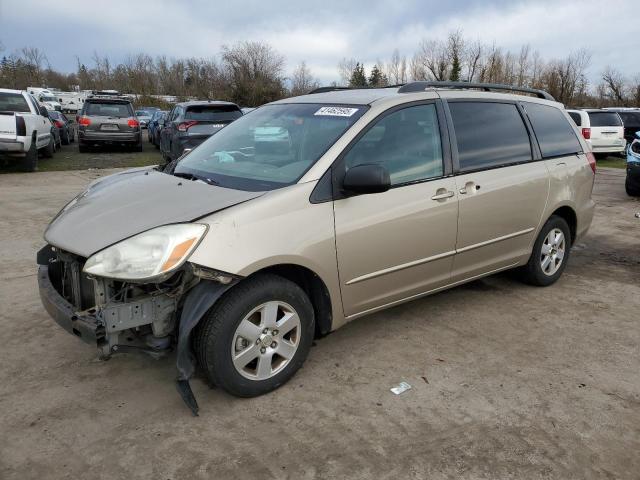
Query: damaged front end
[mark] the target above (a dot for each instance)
(122, 316)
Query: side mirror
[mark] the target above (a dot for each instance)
(367, 178)
(43, 111)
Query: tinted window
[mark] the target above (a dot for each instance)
(604, 119)
(554, 132)
(576, 118)
(13, 102)
(489, 134)
(270, 148)
(406, 143)
(206, 113)
(121, 110)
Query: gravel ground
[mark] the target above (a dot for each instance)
(509, 381)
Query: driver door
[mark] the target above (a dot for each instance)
(398, 244)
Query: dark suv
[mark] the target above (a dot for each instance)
(108, 120)
(191, 123)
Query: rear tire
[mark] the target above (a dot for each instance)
(633, 190)
(263, 303)
(65, 137)
(30, 161)
(550, 254)
(50, 149)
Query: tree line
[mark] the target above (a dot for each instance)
(253, 73)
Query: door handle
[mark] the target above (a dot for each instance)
(443, 196)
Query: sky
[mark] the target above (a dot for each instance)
(320, 33)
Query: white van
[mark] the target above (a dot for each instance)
(46, 98)
(602, 129)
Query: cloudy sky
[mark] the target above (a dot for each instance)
(321, 33)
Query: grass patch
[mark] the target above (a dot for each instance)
(612, 162)
(69, 158)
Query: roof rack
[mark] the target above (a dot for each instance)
(337, 89)
(487, 87)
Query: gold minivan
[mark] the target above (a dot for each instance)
(310, 212)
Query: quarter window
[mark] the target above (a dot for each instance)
(555, 134)
(489, 135)
(405, 142)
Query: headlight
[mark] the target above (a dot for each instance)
(148, 254)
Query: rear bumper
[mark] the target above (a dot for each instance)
(87, 327)
(608, 148)
(109, 137)
(11, 146)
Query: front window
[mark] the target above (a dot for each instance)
(271, 148)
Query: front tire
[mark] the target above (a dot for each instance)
(632, 189)
(256, 337)
(550, 253)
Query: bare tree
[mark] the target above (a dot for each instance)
(472, 59)
(614, 85)
(345, 69)
(254, 72)
(302, 80)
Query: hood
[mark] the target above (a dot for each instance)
(125, 204)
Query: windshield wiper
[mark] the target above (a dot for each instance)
(191, 176)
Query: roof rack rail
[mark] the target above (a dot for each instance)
(487, 87)
(337, 89)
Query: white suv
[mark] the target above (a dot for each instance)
(602, 129)
(25, 128)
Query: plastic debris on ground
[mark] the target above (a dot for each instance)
(403, 387)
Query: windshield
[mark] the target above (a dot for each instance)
(271, 148)
(142, 113)
(48, 98)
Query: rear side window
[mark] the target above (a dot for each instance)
(13, 102)
(576, 118)
(120, 110)
(604, 119)
(555, 134)
(489, 135)
(213, 113)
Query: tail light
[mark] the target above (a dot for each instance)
(184, 126)
(586, 133)
(21, 128)
(58, 123)
(133, 123)
(84, 121)
(591, 158)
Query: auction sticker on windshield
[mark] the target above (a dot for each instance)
(336, 111)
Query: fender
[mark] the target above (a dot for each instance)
(199, 300)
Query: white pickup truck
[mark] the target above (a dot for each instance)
(25, 129)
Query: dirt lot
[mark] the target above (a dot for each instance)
(509, 381)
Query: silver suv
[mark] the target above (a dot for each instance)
(311, 212)
(108, 120)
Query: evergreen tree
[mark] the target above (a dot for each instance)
(358, 77)
(456, 68)
(377, 77)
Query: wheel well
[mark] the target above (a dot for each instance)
(569, 216)
(315, 289)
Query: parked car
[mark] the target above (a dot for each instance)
(632, 182)
(603, 129)
(25, 129)
(108, 120)
(351, 202)
(191, 123)
(45, 97)
(143, 117)
(630, 121)
(66, 126)
(153, 124)
(56, 132)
